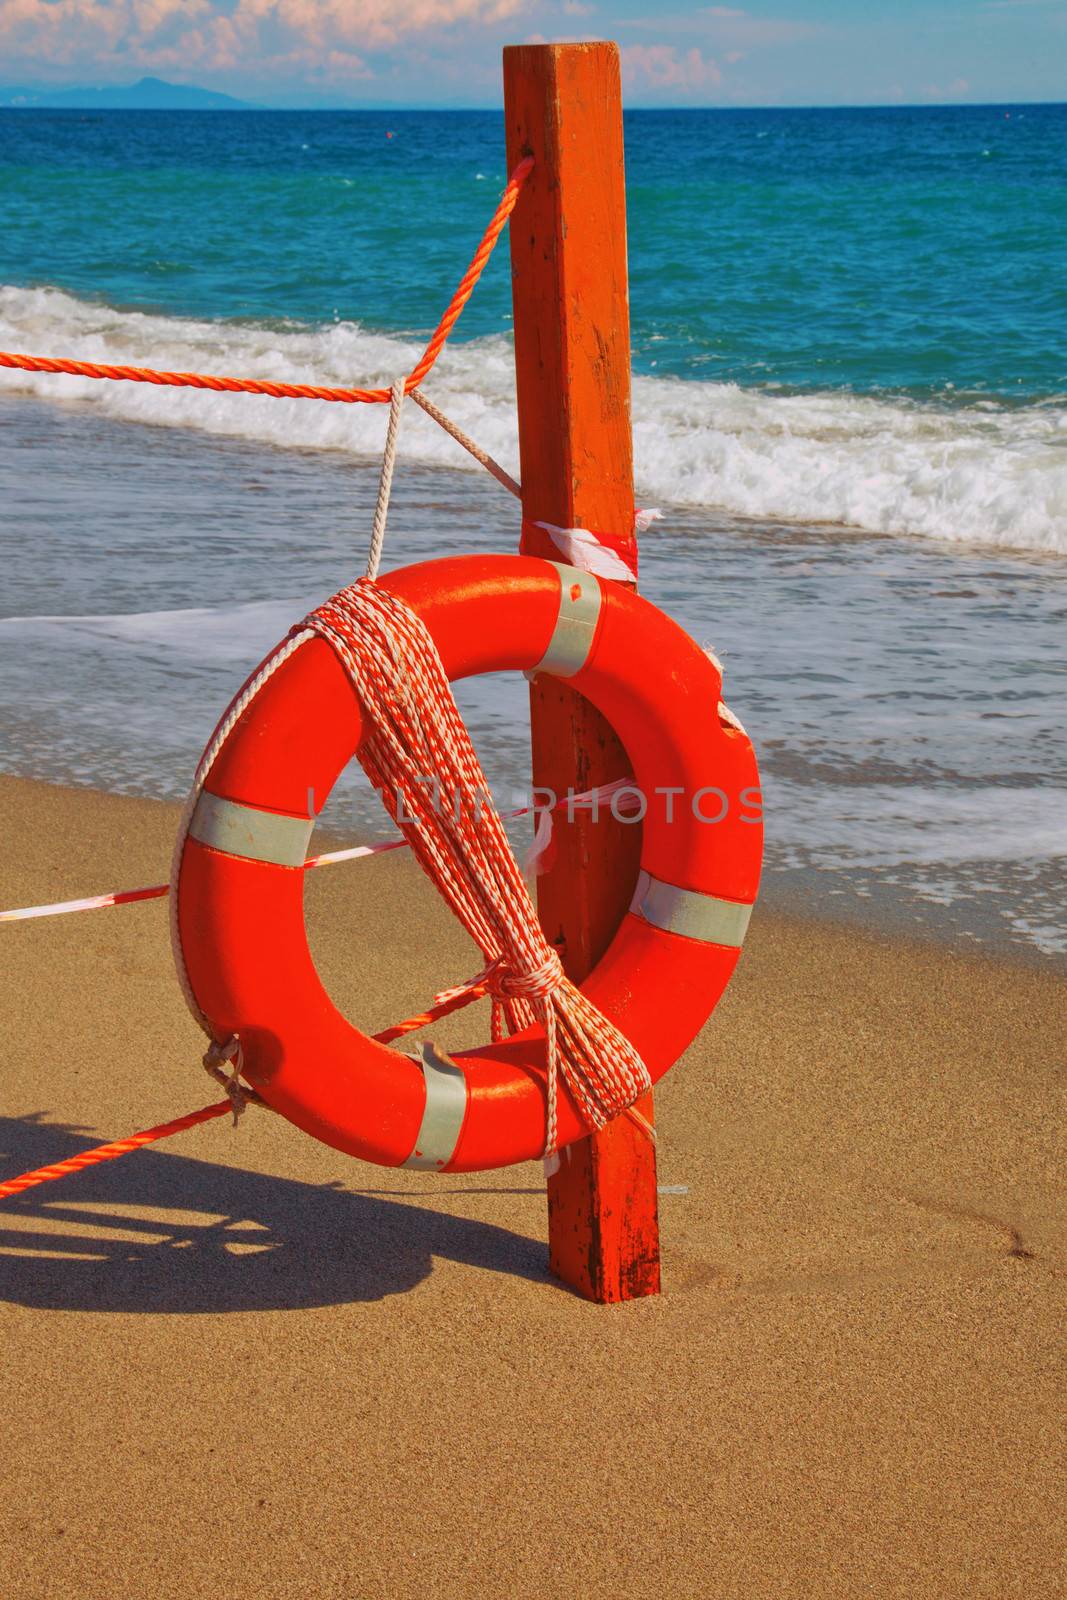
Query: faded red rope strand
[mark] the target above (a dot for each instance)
(300, 391)
(164, 1130)
(111, 1152)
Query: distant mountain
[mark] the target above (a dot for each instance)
(151, 94)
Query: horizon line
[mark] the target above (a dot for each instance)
(451, 107)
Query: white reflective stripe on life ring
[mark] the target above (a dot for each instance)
(443, 1114)
(690, 913)
(239, 830)
(572, 638)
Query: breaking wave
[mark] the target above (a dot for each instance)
(984, 473)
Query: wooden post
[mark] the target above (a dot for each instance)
(563, 106)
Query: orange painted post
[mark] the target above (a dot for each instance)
(563, 105)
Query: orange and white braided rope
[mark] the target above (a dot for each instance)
(413, 728)
(418, 754)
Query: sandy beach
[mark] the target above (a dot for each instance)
(239, 1364)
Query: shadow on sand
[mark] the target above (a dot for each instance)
(162, 1233)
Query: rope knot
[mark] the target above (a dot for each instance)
(535, 983)
(216, 1054)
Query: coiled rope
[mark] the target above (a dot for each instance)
(414, 727)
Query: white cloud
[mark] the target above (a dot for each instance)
(663, 66)
(274, 37)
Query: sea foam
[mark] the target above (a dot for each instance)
(983, 473)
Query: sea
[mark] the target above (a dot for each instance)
(850, 403)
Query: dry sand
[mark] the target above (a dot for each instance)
(240, 1365)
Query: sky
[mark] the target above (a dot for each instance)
(440, 52)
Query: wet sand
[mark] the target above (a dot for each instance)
(241, 1365)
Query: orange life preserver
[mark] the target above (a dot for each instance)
(240, 882)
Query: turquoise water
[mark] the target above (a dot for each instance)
(853, 317)
(850, 400)
(908, 251)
